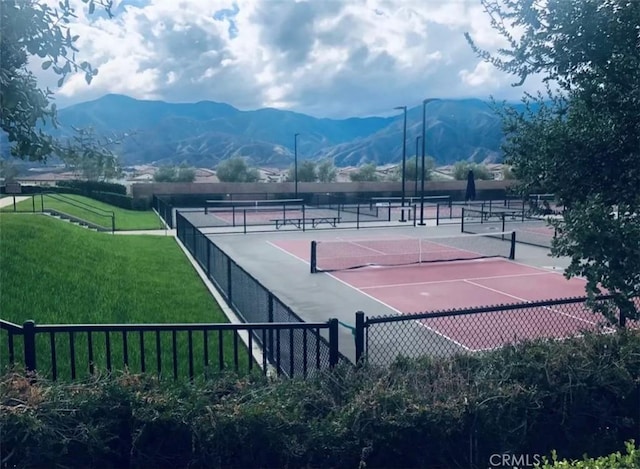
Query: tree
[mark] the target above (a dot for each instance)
(165, 174)
(508, 173)
(461, 170)
(366, 172)
(581, 139)
(235, 169)
(86, 154)
(326, 171)
(307, 172)
(182, 173)
(185, 173)
(8, 171)
(29, 28)
(410, 169)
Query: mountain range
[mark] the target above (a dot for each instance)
(205, 133)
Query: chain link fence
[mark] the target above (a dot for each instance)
(382, 339)
(293, 352)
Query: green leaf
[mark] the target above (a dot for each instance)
(46, 64)
(92, 7)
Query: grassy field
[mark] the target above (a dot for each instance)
(99, 213)
(56, 273)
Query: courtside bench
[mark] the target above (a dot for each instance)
(297, 222)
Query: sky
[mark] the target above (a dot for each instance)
(326, 58)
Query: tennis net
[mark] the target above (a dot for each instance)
(331, 256)
(229, 205)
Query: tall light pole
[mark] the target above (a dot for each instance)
(424, 119)
(415, 183)
(295, 162)
(404, 157)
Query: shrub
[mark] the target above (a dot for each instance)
(629, 460)
(573, 395)
(88, 187)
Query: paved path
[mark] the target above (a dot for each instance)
(8, 200)
(148, 232)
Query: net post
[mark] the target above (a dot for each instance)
(389, 212)
(512, 252)
(244, 221)
(314, 258)
(358, 217)
(437, 213)
(504, 223)
(206, 208)
(462, 222)
(233, 215)
(304, 220)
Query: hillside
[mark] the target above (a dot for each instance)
(205, 133)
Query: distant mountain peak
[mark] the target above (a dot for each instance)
(207, 132)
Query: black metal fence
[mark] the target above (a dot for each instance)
(164, 210)
(532, 230)
(381, 339)
(68, 208)
(253, 302)
(75, 351)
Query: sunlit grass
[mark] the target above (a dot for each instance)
(57, 273)
(98, 212)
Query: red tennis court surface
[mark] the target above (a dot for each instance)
(465, 284)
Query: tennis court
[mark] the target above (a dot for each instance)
(410, 275)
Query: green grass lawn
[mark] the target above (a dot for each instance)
(58, 273)
(124, 219)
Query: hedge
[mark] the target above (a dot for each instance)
(571, 396)
(88, 187)
(617, 460)
(122, 201)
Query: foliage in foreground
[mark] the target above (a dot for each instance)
(617, 460)
(573, 396)
(580, 141)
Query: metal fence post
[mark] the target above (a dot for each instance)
(314, 258)
(29, 333)
(333, 343)
(359, 336)
(269, 345)
(512, 252)
(229, 282)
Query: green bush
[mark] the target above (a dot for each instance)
(88, 187)
(575, 396)
(629, 460)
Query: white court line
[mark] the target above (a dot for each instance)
(452, 280)
(420, 323)
(370, 249)
(359, 290)
(527, 301)
(290, 253)
(398, 311)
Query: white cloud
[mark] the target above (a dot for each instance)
(329, 58)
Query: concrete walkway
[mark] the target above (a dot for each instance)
(7, 200)
(148, 232)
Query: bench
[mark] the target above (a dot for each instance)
(298, 222)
